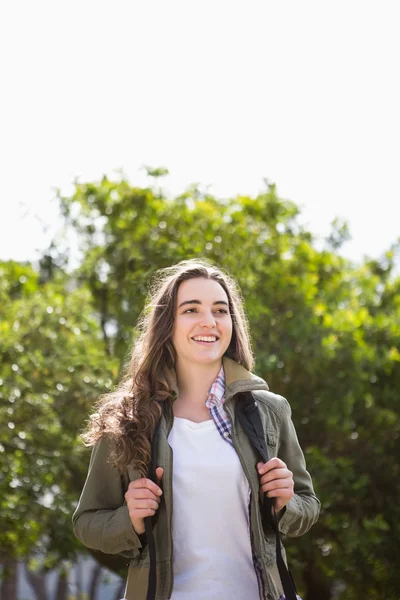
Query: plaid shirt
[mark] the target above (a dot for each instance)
(215, 403)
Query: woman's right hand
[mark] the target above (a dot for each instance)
(143, 499)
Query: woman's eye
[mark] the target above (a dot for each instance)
(220, 310)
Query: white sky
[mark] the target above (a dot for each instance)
(305, 93)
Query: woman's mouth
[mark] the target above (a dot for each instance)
(205, 339)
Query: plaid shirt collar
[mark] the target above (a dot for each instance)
(215, 404)
(216, 393)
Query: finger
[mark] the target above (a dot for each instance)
(276, 474)
(159, 473)
(274, 463)
(146, 484)
(142, 493)
(141, 513)
(143, 503)
(276, 485)
(281, 493)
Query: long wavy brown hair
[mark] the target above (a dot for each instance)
(129, 414)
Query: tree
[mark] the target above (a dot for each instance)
(52, 365)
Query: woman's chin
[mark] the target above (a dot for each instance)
(207, 359)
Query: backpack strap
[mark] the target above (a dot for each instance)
(250, 420)
(149, 522)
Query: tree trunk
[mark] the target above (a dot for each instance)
(120, 591)
(62, 585)
(9, 583)
(37, 581)
(78, 571)
(94, 581)
(316, 588)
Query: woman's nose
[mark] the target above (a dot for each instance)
(208, 320)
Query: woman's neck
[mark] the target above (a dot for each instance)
(194, 382)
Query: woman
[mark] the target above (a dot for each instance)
(175, 417)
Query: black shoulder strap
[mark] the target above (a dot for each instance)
(250, 420)
(149, 522)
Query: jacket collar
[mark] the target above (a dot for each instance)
(237, 379)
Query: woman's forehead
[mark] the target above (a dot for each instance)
(207, 290)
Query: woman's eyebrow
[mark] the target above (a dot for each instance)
(199, 302)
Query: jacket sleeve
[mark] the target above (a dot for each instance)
(101, 520)
(302, 510)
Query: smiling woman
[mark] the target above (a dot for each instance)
(172, 468)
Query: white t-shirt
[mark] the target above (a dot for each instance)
(212, 557)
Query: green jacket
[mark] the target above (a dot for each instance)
(101, 520)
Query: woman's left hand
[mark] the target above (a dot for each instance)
(277, 481)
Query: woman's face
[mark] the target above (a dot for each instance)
(203, 324)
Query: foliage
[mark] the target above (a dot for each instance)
(52, 367)
(326, 334)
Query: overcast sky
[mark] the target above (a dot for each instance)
(223, 93)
